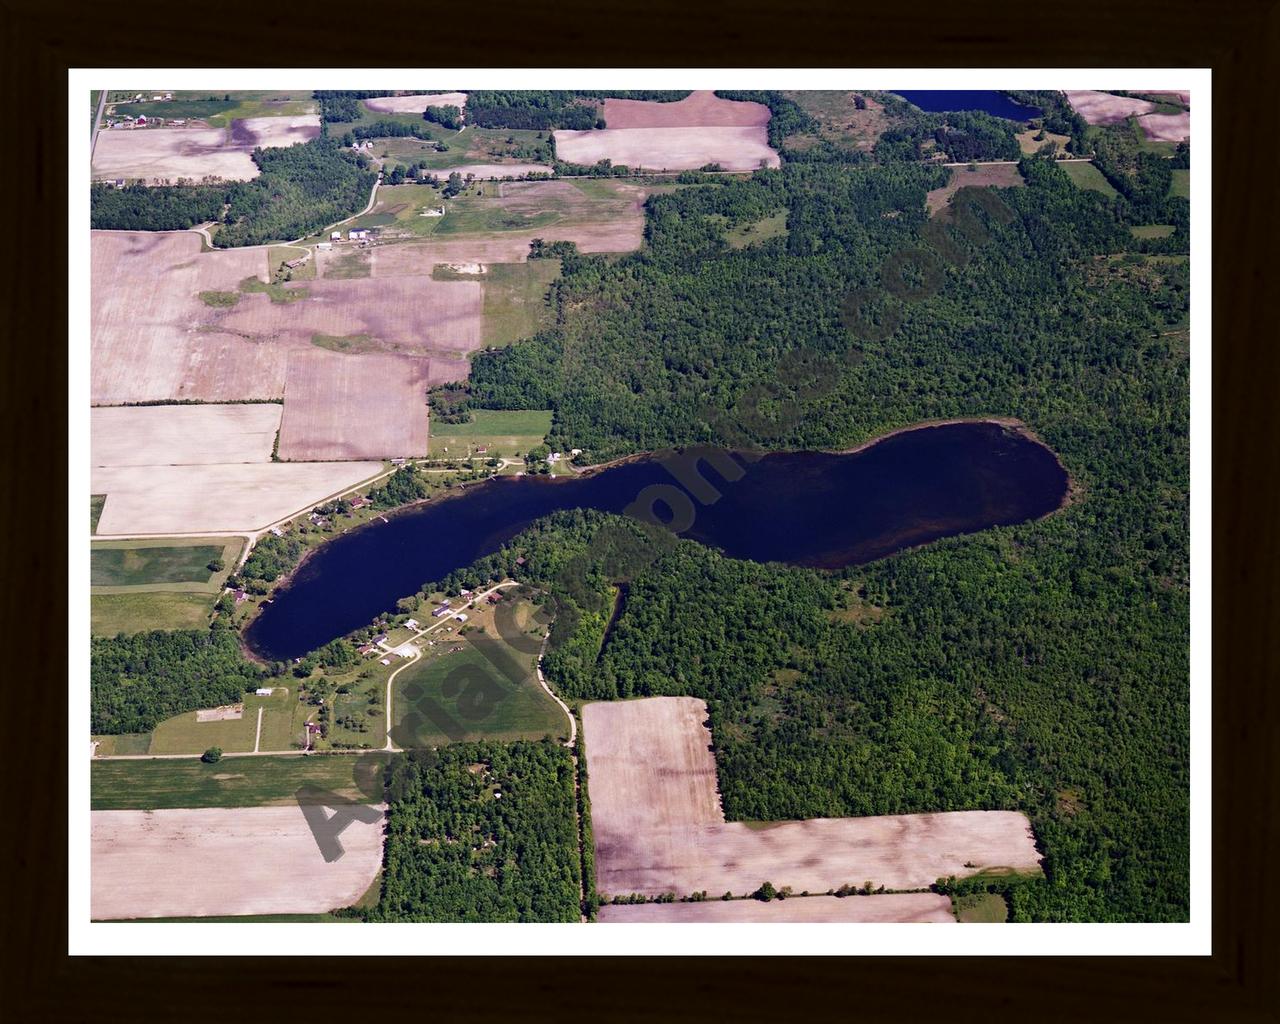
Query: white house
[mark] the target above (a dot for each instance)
(335, 236)
(264, 691)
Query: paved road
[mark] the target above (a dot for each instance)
(93, 139)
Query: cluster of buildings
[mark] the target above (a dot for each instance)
(354, 235)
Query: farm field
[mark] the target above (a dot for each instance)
(981, 176)
(659, 826)
(153, 435)
(910, 908)
(501, 432)
(219, 110)
(1167, 127)
(700, 109)
(163, 155)
(1104, 108)
(234, 782)
(415, 103)
(149, 326)
(178, 564)
(670, 149)
(195, 499)
(225, 861)
(515, 296)
(439, 692)
(1088, 176)
(141, 611)
(341, 406)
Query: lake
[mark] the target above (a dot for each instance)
(941, 101)
(817, 509)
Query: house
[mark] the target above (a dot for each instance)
(335, 236)
(379, 638)
(178, 122)
(142, 119)
(157, 98)
(482, 449)
(360, 501)
(411, 624)
(521, 560)
(461, 617)
(264, 691)
(365, 649)
(241, 597)
(356, 234)
(119, 182)
(277, 531)
(465, 593)
(444, 609)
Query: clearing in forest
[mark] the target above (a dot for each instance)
(973, 176)
(659, 827)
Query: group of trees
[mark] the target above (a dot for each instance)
(137, 681)
(300, 189)
(481, 832)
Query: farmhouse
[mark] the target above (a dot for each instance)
(335, 236)
(356, 234)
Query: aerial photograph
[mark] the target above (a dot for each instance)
(615, 507)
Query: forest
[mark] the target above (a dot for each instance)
(481, 832)
(1042, 667)
(300, 189)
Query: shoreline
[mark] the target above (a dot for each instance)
(1073, 492)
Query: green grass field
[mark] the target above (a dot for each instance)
(463, 695)
(1181, 184)
(278, 255)
(141, 611)
(124, 743)
(1152, 230)
(773, 226)
(1088, 176)
(349, 266)
(111, 566)
(502, 432)
(282, 725)
(232, 782)
(96, 503)
(176, 565)
(515, 297)
(219, 109)
(473, 146)
(981, 908)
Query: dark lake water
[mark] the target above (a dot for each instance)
(803, 508)
(941, 101)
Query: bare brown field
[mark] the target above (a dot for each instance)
(174, 500)
(354, 407)
(670, 149)
(223, 862)
(909, 908)
(840, 120)
(157, 155)
(999, 175)
(1167, 127)
(266, 132)
(148, 323)
(415, 104)
(491, 171)
(1104, 108)
(659, 827)
(411, 317)
(700, 109)
(155, 435)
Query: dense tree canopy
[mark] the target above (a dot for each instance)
(481, 832)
